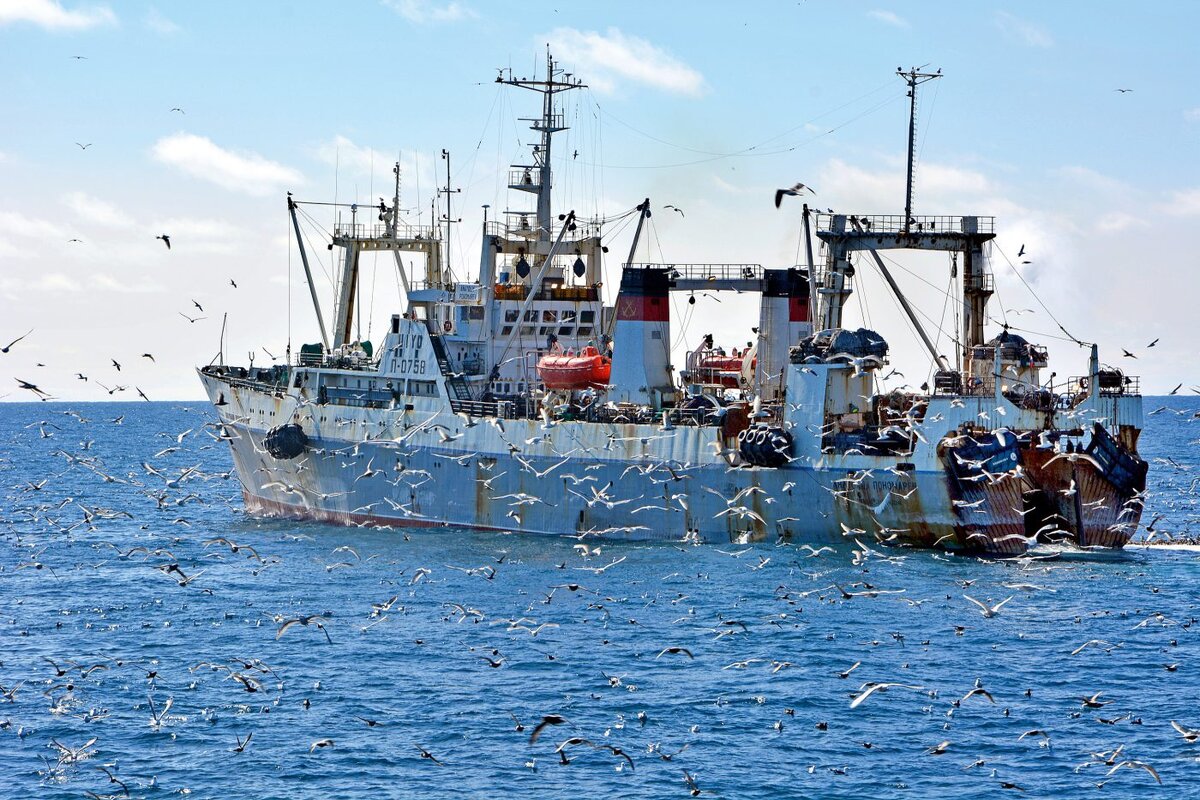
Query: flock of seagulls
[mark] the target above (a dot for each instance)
(222, 627)
(582, 663)
(44, 394)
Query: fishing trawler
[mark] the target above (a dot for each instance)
(521, 401)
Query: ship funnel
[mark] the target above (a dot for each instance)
(641, 372)
(783, 321)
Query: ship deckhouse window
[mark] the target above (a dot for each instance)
(568, 315)
(585, 330)
(510, 315)
(565, 330)
(506, 330)
(549, 316)
(655, 334)
(587, 316)
(527, 330)
(531, 315)
(542, 331)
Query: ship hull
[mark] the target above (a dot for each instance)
(636, 482)
(419, 464)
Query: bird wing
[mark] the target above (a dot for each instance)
(857, 701)
(976, 602)
(283, 628)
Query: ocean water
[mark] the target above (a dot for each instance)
(665, 662)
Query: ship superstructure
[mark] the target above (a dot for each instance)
(522, 401)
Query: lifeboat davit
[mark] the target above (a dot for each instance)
(588, 369)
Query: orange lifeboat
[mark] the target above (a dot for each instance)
(589, 369)
(720, 370)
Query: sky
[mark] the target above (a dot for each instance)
(125, 121)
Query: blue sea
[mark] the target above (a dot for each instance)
(138, 654)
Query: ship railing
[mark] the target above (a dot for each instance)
(378, 230)
(980, 283)
(527, 228)
(709, 272)
(894, 223)
(643, 415)
(445, 286)
(270, 387)
(476, 408)
(574, 292)
(1113, 383)
(326, 361)
(971, 386)
(530, 178)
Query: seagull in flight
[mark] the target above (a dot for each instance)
(166, 240)
(988, 611)
(792, 192)
(8, 347)
(84, 146)
(677, 208)
(1122, 91)
(180, 110)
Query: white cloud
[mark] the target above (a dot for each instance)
(888, 18)
(601, 59)
(1092, 181)
(200, 157)
(362, 161)
(937, 188)
(15, 223)
(729, 188)
(57, 282)
(109, 283)
(1184, 203)
(353, 159)
(190, 235)
(160, 24)
(422, 11)
(1118, 221)
(51, 15)
(1019, 30)
(95, 210)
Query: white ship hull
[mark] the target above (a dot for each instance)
(640, 482)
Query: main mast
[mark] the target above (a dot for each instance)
(557, 80)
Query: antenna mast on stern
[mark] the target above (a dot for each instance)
(914, 78)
